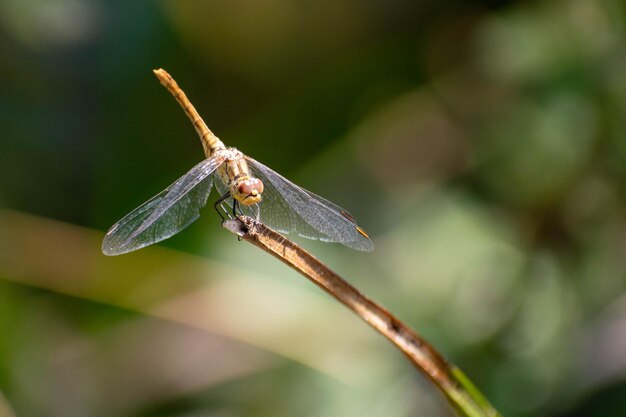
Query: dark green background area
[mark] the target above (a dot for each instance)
(482, 144)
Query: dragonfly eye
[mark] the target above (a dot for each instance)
(258, 184)
(250, 187)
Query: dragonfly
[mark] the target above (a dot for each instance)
(244, 184)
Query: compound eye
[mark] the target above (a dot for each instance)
(258, 184)
(245, 188)
(251, 187)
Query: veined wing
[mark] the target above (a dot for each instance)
(287, 207)
(165, 214)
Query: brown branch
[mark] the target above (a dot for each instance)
(459, 391)
(464, 397)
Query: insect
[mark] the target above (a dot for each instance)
(248, 186)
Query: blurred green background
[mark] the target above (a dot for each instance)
(482, 144)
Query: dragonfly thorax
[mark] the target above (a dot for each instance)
(235, 173)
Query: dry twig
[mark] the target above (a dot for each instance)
(459, 391)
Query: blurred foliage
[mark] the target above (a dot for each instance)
(481, 144)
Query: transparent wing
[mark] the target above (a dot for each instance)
(287, 207)
(165, 214)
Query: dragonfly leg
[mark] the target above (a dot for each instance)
(219, 203)
(237, 211)
(235, 206)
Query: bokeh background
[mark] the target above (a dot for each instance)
(482, 144)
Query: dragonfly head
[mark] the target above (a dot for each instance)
(247, 191)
